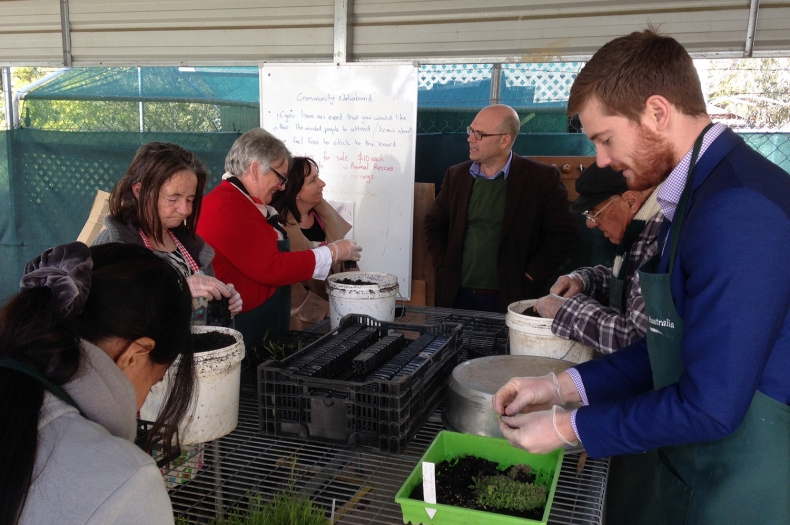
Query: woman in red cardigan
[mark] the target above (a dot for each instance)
(252, 249)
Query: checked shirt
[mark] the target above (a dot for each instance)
(585, 318)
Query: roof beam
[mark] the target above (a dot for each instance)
(751, 28)
(65, 29)
(342, 9)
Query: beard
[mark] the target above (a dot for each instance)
(653, 162)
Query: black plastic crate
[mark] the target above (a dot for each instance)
(321, 393)
(481, 336)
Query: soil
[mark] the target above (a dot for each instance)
(353, 281)
(454, 485)
(531, 312)
(211, 341)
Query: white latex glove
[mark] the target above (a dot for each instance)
(235, 303)
(528, 394)
(535, 432)
(549, 305)
(201, 285)
(345, 250)
(568, 285)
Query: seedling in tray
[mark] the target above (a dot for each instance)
(480, 480)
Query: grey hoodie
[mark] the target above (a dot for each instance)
(88, 471)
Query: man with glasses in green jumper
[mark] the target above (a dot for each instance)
(500, 226)
(697, 414)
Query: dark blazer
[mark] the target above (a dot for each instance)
(731, 288)
(538, 231)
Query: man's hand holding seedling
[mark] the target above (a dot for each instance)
(531, 418)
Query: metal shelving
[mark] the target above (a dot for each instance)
(361, 482)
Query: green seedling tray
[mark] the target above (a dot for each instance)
(448, 445)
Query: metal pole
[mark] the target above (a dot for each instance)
(751, 28)
(140, 94)
(496, 77)
(65, 30)
(8, 98)
(342, 10)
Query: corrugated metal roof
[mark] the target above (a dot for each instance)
(248, 32)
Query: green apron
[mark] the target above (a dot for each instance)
(270, 318)
(617, 284)
(740, 478)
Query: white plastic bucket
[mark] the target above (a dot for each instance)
(376, 299)
(532, 336)
(215, 406)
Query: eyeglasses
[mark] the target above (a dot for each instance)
(591, 216)
(481, 136)
(283, 180)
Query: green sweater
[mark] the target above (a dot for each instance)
(483, 229)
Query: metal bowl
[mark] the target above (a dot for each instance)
(468, 407)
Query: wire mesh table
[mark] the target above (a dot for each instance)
(353, 485)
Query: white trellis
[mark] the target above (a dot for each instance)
(552, 81)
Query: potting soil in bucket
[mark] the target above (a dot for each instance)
(366, 293)
(532, 336)
(215, 407)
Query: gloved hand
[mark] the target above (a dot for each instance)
(536, 432)
(201, 285)
(549, 305)
(528, 394)
(345, 250)
(568, 285)
(235, 304)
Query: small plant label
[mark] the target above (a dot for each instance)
(429, 486)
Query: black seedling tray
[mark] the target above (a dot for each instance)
(481, 336)
(365, 383)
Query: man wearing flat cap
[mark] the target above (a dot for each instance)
(599, 306)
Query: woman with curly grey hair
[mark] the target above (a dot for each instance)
(88, 335)
(252, 248)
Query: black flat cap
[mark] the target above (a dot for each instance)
(595, 185)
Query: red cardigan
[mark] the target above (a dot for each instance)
(246, 247)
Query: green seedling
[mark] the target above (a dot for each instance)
(504, 492)
(286, 507)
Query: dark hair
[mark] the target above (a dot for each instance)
(133, 293)
(153, 165)
(284, 201)
(627, 71)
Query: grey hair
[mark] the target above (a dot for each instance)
(255, 145)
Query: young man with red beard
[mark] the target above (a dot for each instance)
(706, 393)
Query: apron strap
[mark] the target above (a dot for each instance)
(180, 247)
(57, 391)
(680, 212)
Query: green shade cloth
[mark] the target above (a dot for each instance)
(229, 86)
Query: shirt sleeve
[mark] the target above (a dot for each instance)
(596, 281)
(587, 321)
(323, 262)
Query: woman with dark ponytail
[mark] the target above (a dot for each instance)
(89, 333)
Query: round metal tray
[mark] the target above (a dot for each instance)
(468, 407)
